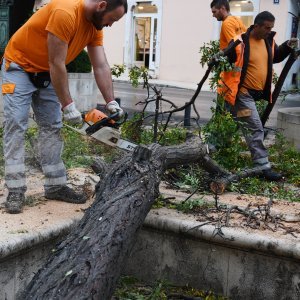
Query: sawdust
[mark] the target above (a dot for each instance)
(275, 218)
(40, 213)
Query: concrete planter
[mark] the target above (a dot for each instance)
(288, 120)
(175, 247)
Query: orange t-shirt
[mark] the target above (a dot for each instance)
(257, 70)
(231, 27)
(63, 18)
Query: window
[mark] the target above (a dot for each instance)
(244, 9)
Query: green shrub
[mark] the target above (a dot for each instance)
(81, 64)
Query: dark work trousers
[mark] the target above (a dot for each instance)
(245, 111)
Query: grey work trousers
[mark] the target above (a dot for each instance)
(245, 111)
(47, 111)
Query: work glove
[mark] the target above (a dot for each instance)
(71, 114)
(113, 107)
(293, 43)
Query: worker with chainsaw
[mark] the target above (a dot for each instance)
(251, 80)
(231, 25)
(34, 74)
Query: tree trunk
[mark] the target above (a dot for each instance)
(88, 263)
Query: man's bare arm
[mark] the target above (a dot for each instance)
(102, 72)
(57, 50)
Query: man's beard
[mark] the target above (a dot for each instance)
(97, 19)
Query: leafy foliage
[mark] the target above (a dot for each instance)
(81, 64)
(130, 288)
(137, 73)
(207, 52)
(118, 70)
(134, 130)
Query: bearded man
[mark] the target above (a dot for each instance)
(34, 74)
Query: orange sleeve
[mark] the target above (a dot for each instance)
(229, 30)
(61, 24)
(231, 27)
(98, 40)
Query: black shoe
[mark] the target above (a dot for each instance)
(269, 174)
(66, 194)
(14, 202)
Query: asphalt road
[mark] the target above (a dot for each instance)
(130, 96)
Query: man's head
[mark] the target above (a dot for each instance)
(263, 24)
(103, 13)
(220, 9)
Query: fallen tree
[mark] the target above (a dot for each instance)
(88, 263)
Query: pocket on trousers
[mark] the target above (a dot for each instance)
(244, 113)
(8, 88)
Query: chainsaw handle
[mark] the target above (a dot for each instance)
(103, 122)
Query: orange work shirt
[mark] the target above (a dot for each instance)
(231, 27)
(257, 69)
(66, 20)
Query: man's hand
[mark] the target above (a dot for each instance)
(71, 114)
(293, 43)
(114, 107)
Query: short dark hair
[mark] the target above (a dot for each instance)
(112, 4)
(219, 3)
(262, 17)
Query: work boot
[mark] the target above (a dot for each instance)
(66, 194)
(14, 202)
(270, 175)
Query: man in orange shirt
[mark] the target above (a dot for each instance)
(252, 81)
(231, 25)
(34, 74)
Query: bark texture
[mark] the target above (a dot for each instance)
(88, 263)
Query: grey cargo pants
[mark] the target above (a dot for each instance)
(246, 112)
(18, 95)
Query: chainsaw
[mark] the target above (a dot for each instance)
(103, 128)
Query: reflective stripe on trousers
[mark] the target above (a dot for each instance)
(46, 108)
(252, 128)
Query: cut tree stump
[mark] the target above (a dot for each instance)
(88, 263)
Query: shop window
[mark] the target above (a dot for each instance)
(145, 8)
(243, 9)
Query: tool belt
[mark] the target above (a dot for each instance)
(256, 95)
(40, 79)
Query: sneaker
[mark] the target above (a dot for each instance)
(269, 174)
(66, 194)
(14, 202)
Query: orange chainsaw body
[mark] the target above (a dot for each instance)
(93, 116)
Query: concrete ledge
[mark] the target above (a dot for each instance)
(175, 247)
(16, 244)
(237, 264)
(233, 237)
(288, 119)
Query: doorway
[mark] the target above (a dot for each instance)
(144, 37)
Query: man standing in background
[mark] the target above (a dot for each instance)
(231, 25)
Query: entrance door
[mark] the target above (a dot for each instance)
(143, 31)
(145, 37)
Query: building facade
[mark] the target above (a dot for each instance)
(166, 35)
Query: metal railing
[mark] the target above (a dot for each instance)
(6, 2)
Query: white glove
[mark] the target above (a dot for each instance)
(293, 43)
(114, 107)
(71, 114)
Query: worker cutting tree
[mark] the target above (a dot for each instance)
(34, 74)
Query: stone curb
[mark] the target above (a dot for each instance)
(232, 237)
(169, 222)
(29, 240)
